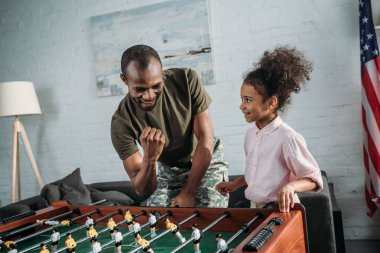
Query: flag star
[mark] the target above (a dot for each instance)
(369, 36)
(375, 52)
(363, 59)
(366, 47)
(361, 40)
(365, 20)
(361, 3)
(361, 51)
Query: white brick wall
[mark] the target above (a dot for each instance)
(49, 43)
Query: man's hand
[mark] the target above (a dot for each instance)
(152, 141)
(183, 200)
(285, 198)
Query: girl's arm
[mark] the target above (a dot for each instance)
(285, 196)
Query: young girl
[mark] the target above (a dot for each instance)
(278, 163)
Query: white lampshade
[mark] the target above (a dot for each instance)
(18, 98)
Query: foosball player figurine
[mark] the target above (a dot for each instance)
(152, 224)
(55, 236)
(91, 232)
(2, 246)
(12, 247)
(89, 221)
(111, 225)
(129, 218)
(222, 245)
(95, 246)
(118, 240)
(63, 223)
(144, 243)
(43, 248)
(196, 234)
(136, 227)
(174, 230)
(70, 243)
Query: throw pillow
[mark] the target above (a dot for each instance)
(51, 193)
(73, 190)
(112, 196)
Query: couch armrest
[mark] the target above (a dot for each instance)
(120, 186)
(319, 215)
(34, 203)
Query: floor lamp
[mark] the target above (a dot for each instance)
(19, 98)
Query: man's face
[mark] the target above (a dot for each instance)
(145, 85)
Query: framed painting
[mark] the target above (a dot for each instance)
(178, 30)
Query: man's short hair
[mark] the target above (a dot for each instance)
(140, 54)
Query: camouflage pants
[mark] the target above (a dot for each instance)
(171, 180)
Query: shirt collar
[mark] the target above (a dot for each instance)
(270, 127)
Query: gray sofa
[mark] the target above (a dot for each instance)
(324, 221)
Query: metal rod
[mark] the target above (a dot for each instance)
(166, 231)
(130, 232)
(225, 215)
(143, 212)
(16, 231)
(51, 228)
(243, 229)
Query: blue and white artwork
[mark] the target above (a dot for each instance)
(178, 30)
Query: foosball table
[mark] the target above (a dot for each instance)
(242, 229)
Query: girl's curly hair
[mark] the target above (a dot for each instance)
(279, 73)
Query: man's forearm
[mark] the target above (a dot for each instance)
(200, 163)
(145, 181)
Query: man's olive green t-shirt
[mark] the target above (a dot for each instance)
(183, 97)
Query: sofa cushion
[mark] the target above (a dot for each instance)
(69, 188)
(73, 190)
(112, 196)
(51, 193)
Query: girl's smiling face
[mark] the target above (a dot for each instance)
(254, 108)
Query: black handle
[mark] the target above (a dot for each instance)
(262, 236)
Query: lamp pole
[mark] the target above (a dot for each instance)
(18, 128)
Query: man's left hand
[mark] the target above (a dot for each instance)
(183, 200)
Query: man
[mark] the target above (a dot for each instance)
(167, 113)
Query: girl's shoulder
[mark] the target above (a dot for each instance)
(291, 136)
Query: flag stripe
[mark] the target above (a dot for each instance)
(374, 157)
(367, 163)
(371, 96)
(373, 72)
(369, 123)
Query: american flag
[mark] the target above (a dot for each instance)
(370, 68)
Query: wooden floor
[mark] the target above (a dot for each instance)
(362, 246)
